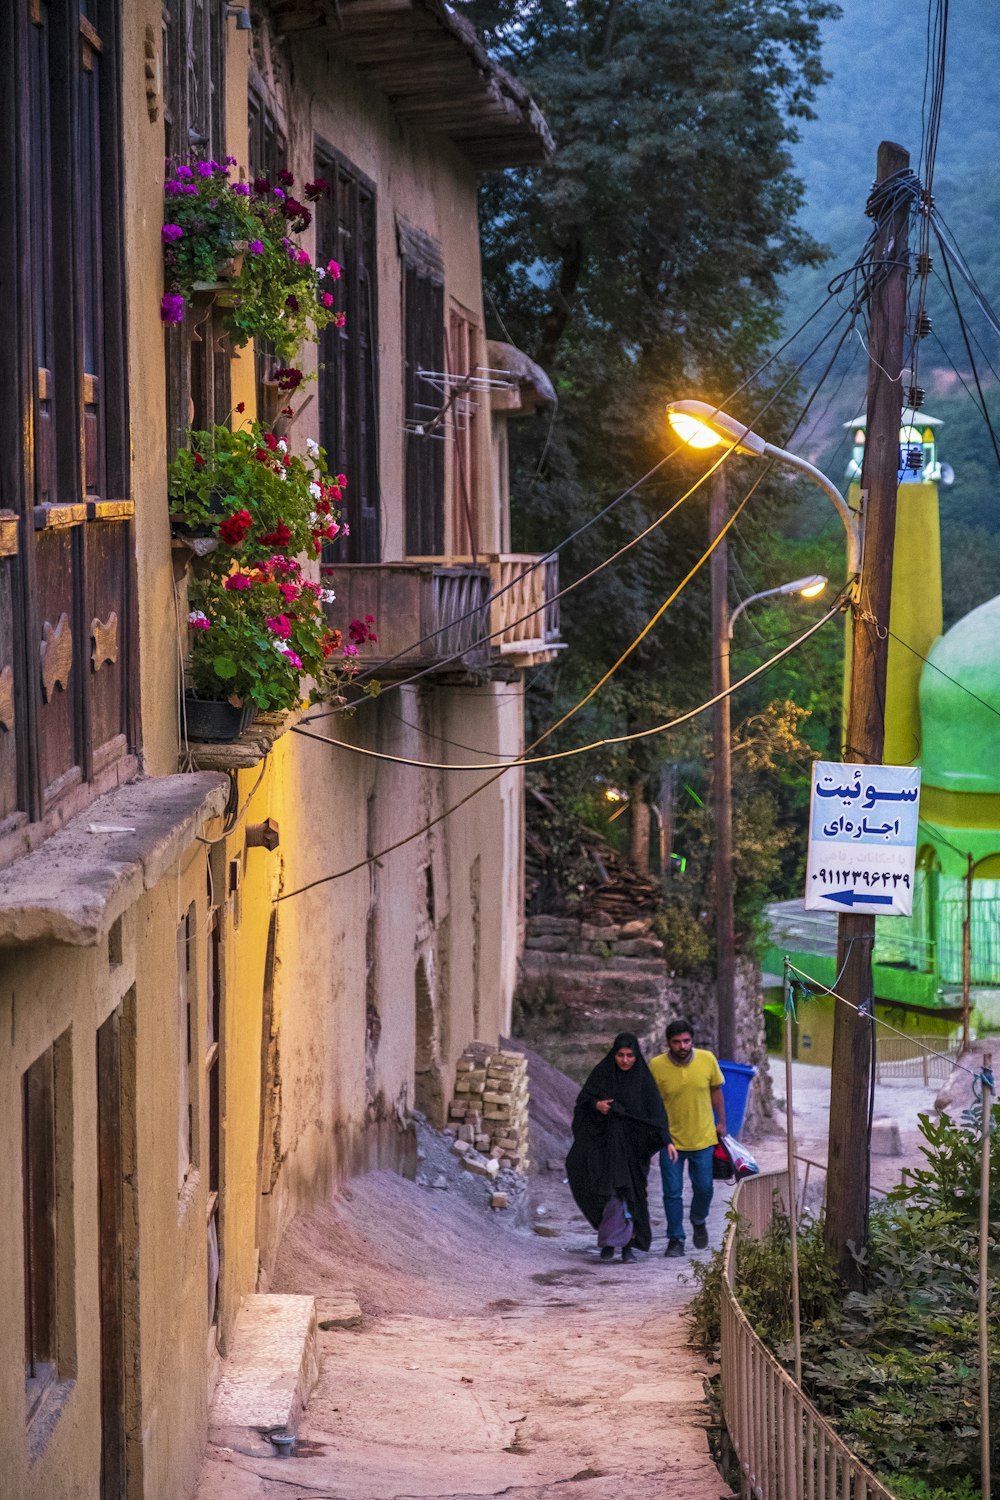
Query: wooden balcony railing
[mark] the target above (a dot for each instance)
(452, 611)
(426, 611)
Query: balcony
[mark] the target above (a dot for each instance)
(439, 612)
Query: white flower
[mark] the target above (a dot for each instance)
(326, 596)
(312, 447)
(314, 520)
(282, 446)
(315, 491)
(320, 273)
(281, 472)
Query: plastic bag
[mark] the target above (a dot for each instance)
(722, 1167)
(744, 1164)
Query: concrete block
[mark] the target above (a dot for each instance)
(885, 1138)
(479, 1165)
(498, 1200)
(272, 1367)
(339, 1312)
(638, 927)
(460, 1147)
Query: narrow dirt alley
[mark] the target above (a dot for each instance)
(490, 1361)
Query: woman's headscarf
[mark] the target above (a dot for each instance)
(634, 1090)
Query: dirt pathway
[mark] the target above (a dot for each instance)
(491, 1361)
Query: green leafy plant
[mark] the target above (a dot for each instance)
(257, 498)
(242, 231)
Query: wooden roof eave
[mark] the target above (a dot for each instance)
(434, 71)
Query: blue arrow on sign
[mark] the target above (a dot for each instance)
(852, 898)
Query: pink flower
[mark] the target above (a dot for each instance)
(172, 307)
(288, 591)
(280, 625)
(237, 581)
(350, 651)
(333, 268)
(204, 168)
(256, 247)
(346, 529)
(327, 299)
(243, 188)
(293, 658)
(303, 257)
(184, 173)
(171, 232)
(198, 621)
(340, 320)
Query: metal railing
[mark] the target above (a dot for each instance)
(786, 1449)
(905, 1057)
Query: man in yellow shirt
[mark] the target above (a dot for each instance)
(690, 1082)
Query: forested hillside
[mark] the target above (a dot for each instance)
(875, 57)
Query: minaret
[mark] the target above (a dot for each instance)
(916, 574)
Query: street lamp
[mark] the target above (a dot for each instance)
(704, 426)
(722, 785)
(808, 588)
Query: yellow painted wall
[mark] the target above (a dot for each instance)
(915, 615)
(345, 1013)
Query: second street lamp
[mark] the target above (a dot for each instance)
(722, 789)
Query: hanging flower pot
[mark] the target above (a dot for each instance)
(216, 719)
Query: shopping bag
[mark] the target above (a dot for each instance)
(743, 1162)
(722, 1167)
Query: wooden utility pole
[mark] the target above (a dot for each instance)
(849, 1160)
(967, 953)
(722, 776)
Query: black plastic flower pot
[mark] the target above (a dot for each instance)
(211, 719)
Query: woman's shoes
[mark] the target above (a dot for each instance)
(607, 1252)
(628, 1255)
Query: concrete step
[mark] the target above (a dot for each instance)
(269, 1375)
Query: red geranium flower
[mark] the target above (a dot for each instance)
(234, 528)
(279, 537)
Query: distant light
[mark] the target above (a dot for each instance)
(696, 434)
(613, 794)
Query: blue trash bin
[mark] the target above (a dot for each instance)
(739, 1077)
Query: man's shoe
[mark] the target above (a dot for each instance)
(628, 1255)
(700, 1236)
(674, 1250)
(607, 1252)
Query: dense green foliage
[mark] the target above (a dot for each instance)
(642, 265)
(895, 1365)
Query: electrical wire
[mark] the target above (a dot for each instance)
(617, 739)
(449, 811)
(436, 666)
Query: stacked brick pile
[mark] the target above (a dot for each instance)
(490, 1108)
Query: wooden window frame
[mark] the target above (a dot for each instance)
(464, 481)
(423, 317)
(67, 584)
(47, 1208)
(266, 157)
(197, 349)
(347, 231)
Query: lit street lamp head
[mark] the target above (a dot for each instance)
(701, 425)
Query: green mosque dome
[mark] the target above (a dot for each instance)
(961, 733)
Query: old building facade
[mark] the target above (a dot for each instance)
(229, 973)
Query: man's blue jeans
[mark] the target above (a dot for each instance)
(672, 1173)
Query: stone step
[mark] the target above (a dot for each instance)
(269, 1374)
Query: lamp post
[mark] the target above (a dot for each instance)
(722, 788)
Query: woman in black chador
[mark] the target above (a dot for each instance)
(618, 1122)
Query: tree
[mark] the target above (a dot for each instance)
(642, 263)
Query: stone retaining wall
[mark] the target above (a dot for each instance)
(581, 982)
